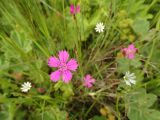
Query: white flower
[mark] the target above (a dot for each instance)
(26, 86)
(99, 27)
(130, 78)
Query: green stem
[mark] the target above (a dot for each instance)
(117, 109)
(90, 108)
(150, 55)
(43, 106)
(78, 46)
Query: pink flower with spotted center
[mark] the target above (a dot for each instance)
(130, 51)
(64, 67)
(74, 9)
(88, 81)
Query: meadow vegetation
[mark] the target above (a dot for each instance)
(79, 59)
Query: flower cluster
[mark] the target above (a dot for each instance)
(65, 67)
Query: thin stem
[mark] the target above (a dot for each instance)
(90, 108)
(117, 109)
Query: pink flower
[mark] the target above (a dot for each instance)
(74, 9)
(88, 81)
(130, 51)
(64, 67)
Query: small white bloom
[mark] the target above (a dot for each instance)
(26, 86)
(99, 27)
(130, 78)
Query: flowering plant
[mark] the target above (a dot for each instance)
(79, 60)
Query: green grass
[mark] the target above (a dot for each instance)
(33, 30)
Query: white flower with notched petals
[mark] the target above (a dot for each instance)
(130, 78)
(99, 27)
(26, 86)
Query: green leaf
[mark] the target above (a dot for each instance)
(123, 65)
(58, 85)
(139, 103)
(99, 118)
(139, 77)
(143, 114)
(135, 63)
(141, 26)
(9, 111)
(67, 90)
(22, 40)
(50, 113)
(141, 98)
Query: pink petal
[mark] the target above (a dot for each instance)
(88, 77)
(88, 81)
(55, 76)
(78, 9)
(130, 56)
(72, 65)
(53, 62)
(131, 46)
(92, 80)
(89, 85)
(124, 50)
(130, 51)
(135, 50)
(66, 76)
(63, 56)
(72, 11)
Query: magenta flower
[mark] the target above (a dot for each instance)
(74, 9)
(130, 51)
(88, 81)
(64, 67)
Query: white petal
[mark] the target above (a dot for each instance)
(26, 86)
(129, 78)
(133, 81)
(99, 27)
(128, 83)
